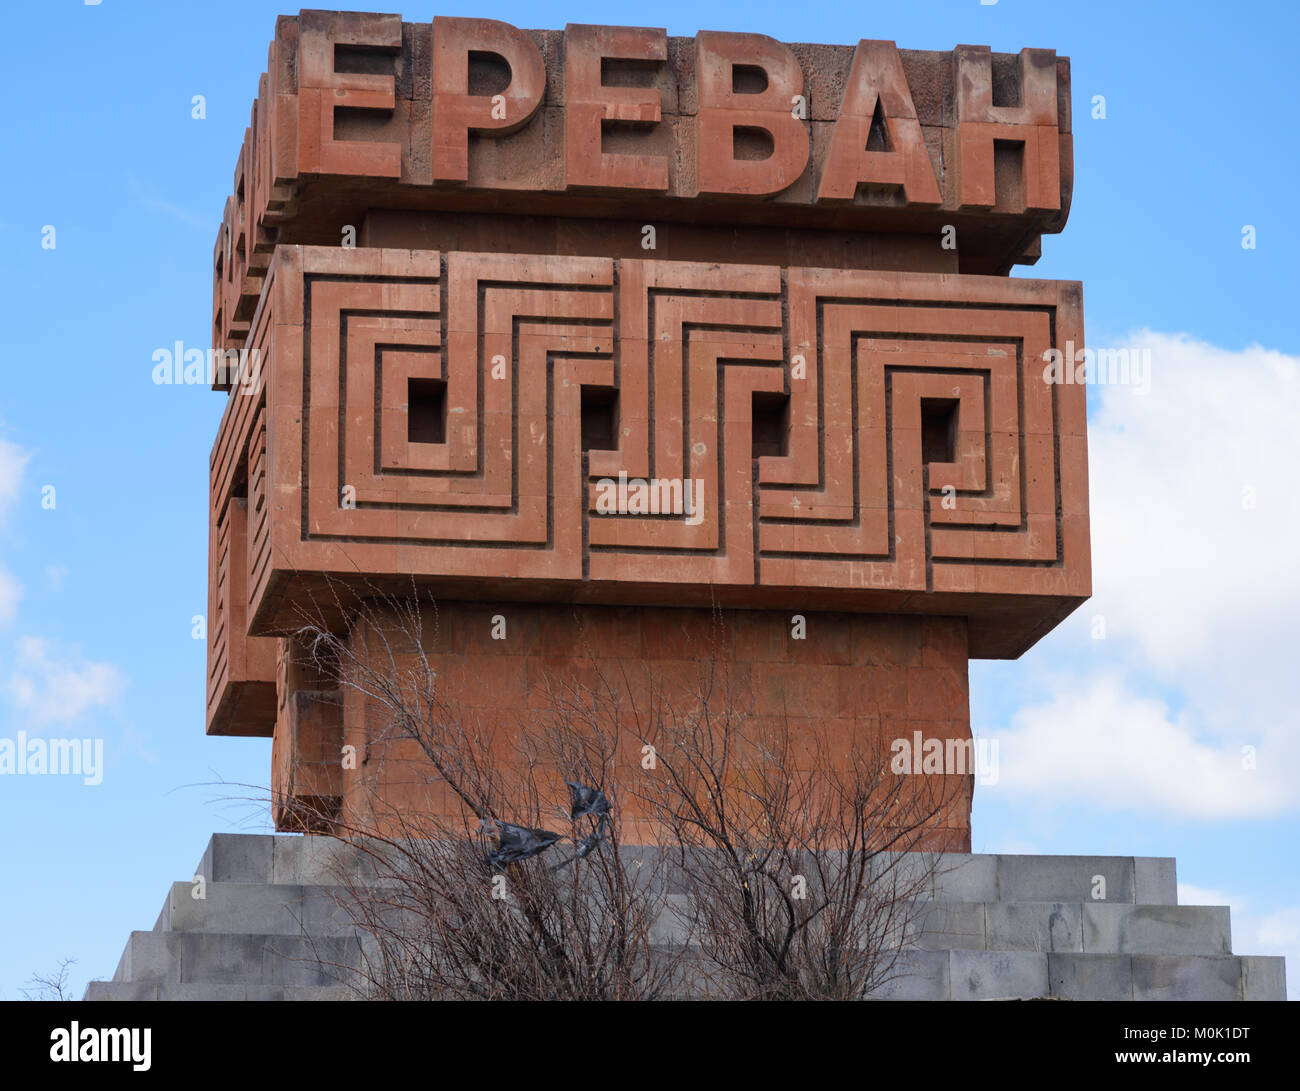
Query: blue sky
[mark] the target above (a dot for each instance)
(1129, 744)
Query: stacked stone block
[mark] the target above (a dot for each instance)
(994, 927)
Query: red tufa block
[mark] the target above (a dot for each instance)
(1032, 125)
(456, 112)
(503, 493)
(241, 668)
(589, 105)
(877, 81)
(537, 135)
(505, 684)
(724, 114)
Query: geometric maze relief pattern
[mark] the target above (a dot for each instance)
(907, 441)
(849, 358)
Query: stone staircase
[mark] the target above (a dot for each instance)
(264, 926)
(994, 927)
(1003, 927)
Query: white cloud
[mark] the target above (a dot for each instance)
(1098, 743)
(10, 592)
(13, 463)
(59, 688)
(46, 684)
(1180, 565)
(1199, 594)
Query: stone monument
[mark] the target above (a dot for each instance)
(598, 330)
(603, 331)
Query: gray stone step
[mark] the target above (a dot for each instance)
(281, 909)
(224, 958)
(1087, 927)
(960, 877)
(282, 858)
(1001, 877)
(135, 990)
(1001, 975)
(199, 966)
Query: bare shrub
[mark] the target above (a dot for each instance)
(53, 985)
(784, 862)
(798, 853)
(437, 921)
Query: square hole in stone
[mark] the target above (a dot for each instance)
(1009, 174)
(599, 418)
(938, 429)
(751, 144)
(771, 416)
(1006, 79)
(426, 410)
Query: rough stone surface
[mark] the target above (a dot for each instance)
(237, 858)
(1187, 977)
(946, 926)
(1090, 977)
(234, 907)
(1263, 977)
(1157, 929)
(918, 975)
(998, 975)
(963, 877)
(1065, 878)
(1155, 880)
(1034, 926)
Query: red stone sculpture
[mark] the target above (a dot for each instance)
(763, 284)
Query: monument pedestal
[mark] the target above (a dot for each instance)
(996, 927)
